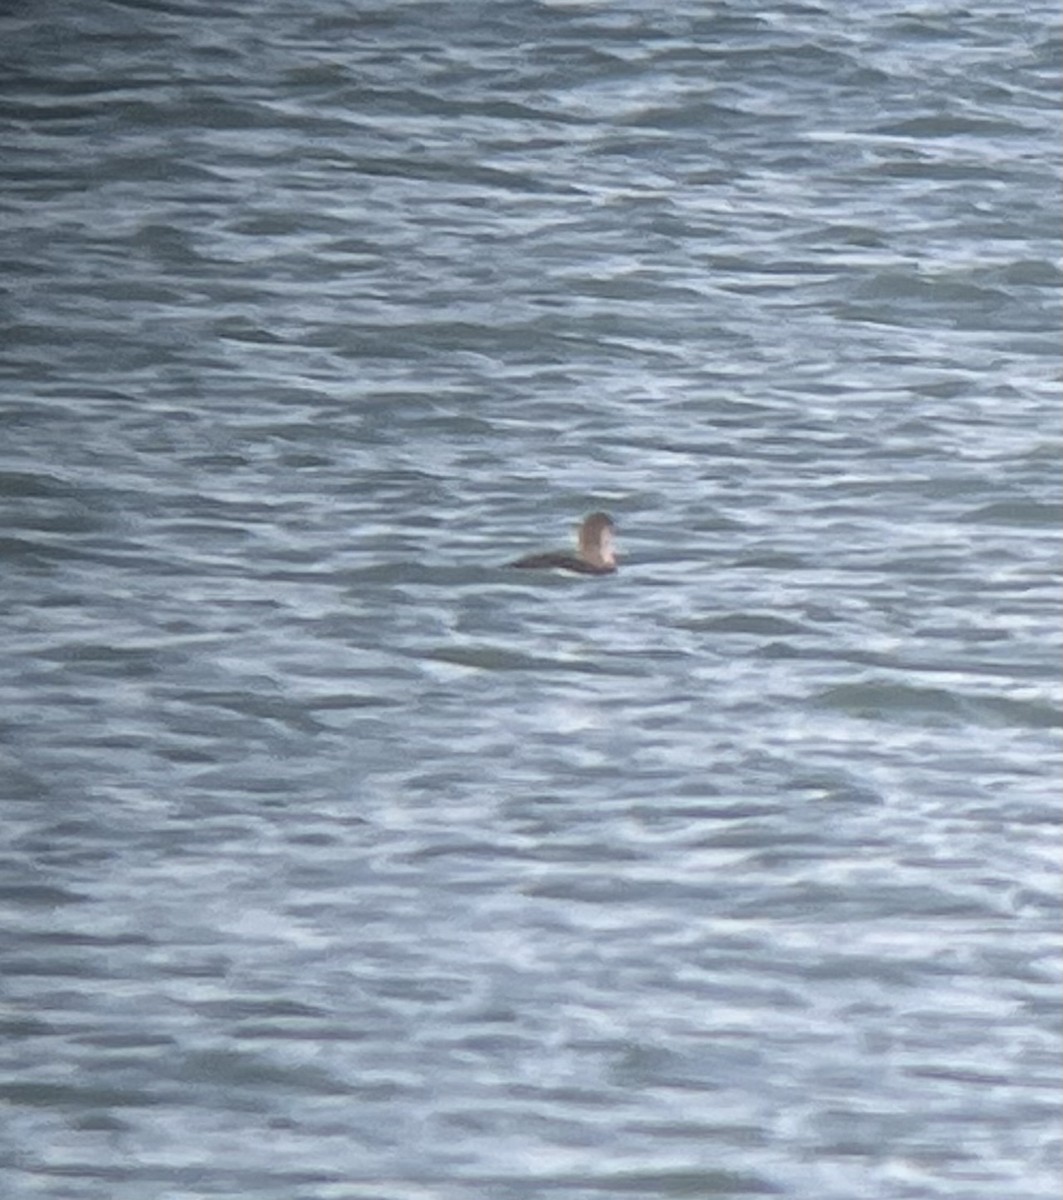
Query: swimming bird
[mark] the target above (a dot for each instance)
(595, 556)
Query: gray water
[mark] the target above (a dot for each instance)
(339, 861)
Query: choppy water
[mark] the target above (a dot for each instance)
(341, 862)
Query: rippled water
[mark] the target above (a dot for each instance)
(341, 861)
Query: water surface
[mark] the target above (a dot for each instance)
(341, 861)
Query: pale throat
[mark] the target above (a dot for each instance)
(601, 551)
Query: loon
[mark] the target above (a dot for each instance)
(594, 557)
